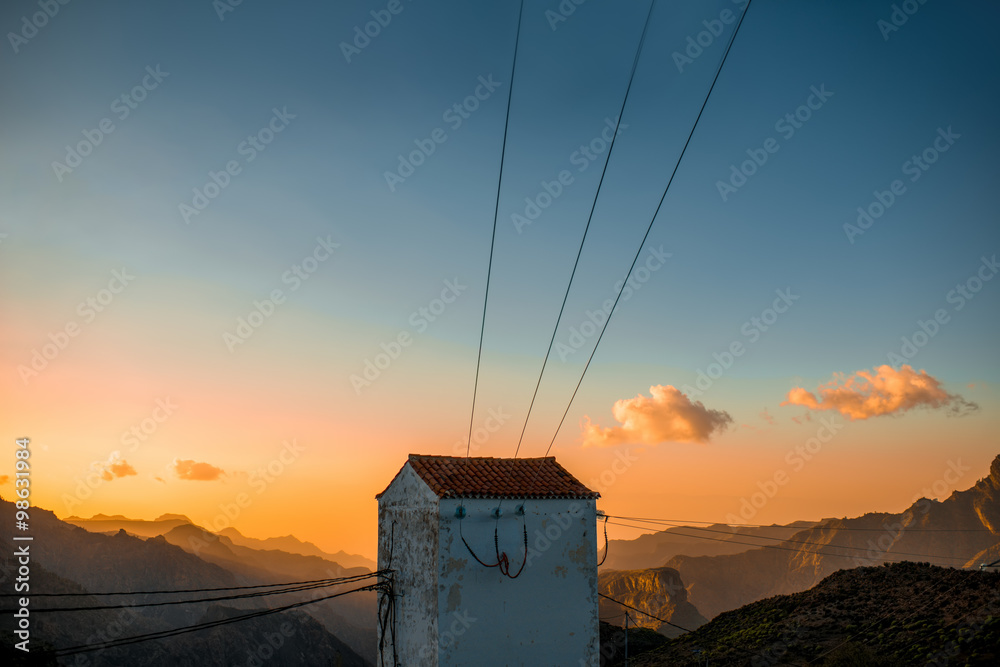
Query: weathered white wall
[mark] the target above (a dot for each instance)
(548, 615)
(414, 508)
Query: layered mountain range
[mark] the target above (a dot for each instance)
(961, 531)
(68, 559)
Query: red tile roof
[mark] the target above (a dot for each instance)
(486, 477)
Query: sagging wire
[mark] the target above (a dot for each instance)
(503, 562)
(387, 603)
(605, 556)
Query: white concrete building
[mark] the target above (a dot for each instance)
(458, 603)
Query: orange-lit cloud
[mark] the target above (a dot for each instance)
(195, 471)
(118, 468)
(4, 479)
(666, 415)
(886, 391)
(767, 416)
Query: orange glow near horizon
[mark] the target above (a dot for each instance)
(305, 455)
(326, 495)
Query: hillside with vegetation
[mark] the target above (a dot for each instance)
(886, 616)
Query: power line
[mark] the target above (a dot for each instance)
(779, 539)
(240, 596)
(85, 648)
(775, 546)
(493, 240)
(687, 143)
(187, 590)
(661, 620)
(586, 229)
(815, 525)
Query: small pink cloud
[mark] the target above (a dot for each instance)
(195, 471)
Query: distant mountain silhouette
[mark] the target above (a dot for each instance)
(66, 558)
(294, 545)
(893, 615)
(655, 549)
(102, 523)
(352, 617)
(658, 591)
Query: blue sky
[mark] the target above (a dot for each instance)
(324, 176)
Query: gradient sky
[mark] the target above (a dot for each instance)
(161, 337)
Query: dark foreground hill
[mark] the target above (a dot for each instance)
(895, 614)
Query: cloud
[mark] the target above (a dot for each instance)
(4, 479)
(117, 468)
(767, 416)
(113, 468)
(884, 391)
(666, 415)
(195, 471)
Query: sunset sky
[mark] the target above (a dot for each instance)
(125, 273)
